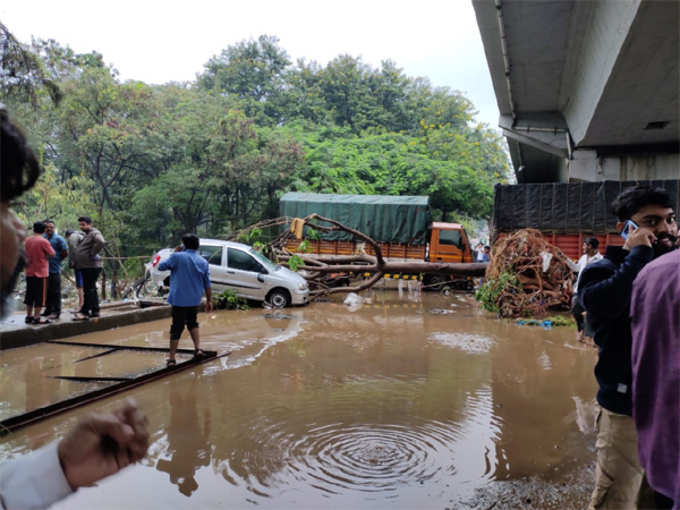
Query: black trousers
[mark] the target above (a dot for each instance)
(181, 316)
(90, 297)
(53, 294)
(577, 311)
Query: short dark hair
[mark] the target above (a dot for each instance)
(48, 221)
(633, 199)
(592, 242)
(38, 227)
(19, 168)
(190, 241)
(86, 219)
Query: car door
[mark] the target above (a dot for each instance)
(246, 274)
(215, 256)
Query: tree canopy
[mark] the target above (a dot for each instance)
(150, 162)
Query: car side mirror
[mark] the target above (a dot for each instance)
(260, 277)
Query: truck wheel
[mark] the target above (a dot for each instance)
(278, 298)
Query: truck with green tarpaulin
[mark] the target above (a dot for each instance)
(401, 225)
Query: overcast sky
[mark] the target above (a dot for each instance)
(161, 41)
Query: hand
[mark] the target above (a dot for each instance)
(208, 306)
(641, 236)
(103, 444)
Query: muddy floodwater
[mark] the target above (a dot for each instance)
(404, 401)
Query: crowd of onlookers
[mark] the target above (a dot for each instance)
(44, 255)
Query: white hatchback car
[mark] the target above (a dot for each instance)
(243, 270)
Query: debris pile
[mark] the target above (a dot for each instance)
(527, 276)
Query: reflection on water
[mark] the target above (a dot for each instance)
(387, 405)
(188, 438)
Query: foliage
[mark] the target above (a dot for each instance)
(393, 164)
(562, 320)
(151, 162)
(491, 290)
(253, 238)
(294, 262)
(22, 72)
(228, 300)
(304, 246)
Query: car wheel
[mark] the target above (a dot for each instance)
(278, 298)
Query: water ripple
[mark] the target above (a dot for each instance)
(370, 458)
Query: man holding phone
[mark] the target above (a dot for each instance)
(647, 222)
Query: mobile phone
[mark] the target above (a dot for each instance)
(628, 227)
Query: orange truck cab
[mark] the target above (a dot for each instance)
(448, 243)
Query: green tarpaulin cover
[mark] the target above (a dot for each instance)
(387, 219)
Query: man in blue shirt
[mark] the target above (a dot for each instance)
(53, 308)
(189, 278)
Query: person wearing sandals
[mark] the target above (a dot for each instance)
(37, 250)
(89, 263)
(189, 279)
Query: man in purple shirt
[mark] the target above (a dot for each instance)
(655, 325)
(189, 277)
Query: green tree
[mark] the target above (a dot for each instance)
(22, 72)
(104, 128)
(252, 71)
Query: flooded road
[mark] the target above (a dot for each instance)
(403, 402)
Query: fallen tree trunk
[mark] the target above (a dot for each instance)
(475, 269)
(319, 268)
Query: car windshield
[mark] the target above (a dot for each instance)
(264, 260)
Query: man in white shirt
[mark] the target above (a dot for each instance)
(590, 255)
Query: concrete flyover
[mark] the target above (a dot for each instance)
(587, 90)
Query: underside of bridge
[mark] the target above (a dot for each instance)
(587, 90)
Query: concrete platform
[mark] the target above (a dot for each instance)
(15, 333)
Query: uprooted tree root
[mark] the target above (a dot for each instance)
(517, 284)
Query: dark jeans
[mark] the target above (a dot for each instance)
(90, 297)
(577, 311)
(53, 294)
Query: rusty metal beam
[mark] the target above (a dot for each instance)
(90, 379)
(42, 413)
(119, 347)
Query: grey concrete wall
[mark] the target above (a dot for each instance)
(27, 335)
(563, 170)
(588, 167)
(592, 58)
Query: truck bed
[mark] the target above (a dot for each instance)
(570, 244)
(389, 250)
